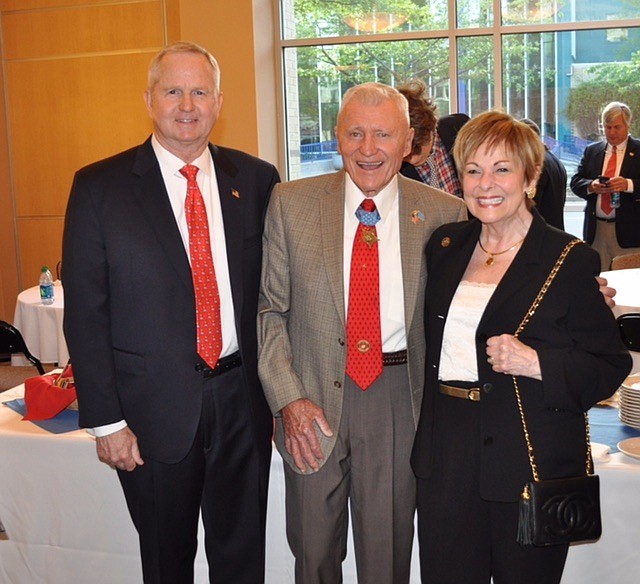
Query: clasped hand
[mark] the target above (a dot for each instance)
(506, 354)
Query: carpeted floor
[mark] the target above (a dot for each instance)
(12, 376)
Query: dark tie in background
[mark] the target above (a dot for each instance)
(364, 337)
(209, 329)
(605, 199)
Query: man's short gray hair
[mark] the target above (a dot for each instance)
(182, 47)
(373, 93)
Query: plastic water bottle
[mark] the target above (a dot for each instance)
(615, 200)
(46, 286)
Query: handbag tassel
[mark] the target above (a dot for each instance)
(525, 519)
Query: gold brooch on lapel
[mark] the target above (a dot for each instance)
(632, 153)
(445, 242)
(417, 216)
(235, 193)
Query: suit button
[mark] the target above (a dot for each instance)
(341, 342)
(488, 441)
(487, 387)
(198, 367)
(337, 384)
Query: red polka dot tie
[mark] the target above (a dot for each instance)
(209, 329)
(364, 339)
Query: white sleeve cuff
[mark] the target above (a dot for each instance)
(102, 431)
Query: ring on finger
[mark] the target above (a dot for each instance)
(490, 360)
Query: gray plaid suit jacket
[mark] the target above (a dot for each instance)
(301, 308)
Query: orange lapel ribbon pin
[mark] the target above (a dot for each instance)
(235, 193)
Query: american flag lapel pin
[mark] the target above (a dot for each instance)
(235, 193)
(417, 216)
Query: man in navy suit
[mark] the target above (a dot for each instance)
(611, 226)
(186, 434)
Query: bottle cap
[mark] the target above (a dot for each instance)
(45, 269)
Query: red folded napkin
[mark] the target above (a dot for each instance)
(46, 396)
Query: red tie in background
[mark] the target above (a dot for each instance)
(364, 339)
(209, 329)
(605, 199)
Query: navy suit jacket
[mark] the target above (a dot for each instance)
(581, 356)
(628, 214)
(129, 301)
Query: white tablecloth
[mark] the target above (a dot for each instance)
(66, 520)
(627, 285)
(41, 326)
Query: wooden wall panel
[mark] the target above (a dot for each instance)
(96, 29)
(40, 242)
(67, 113)
(13, 5)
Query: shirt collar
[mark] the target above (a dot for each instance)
(619, 148)
(384, 200)
(173, 164)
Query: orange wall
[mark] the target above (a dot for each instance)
(74, 95)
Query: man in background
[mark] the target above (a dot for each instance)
(608, 178)
(162, 255)
(342, 344)
(551, 189)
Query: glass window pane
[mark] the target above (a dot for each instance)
(327, 18)
(547, 11)
(475, 74)
(562, 81)
(317, 77)
(474, 13)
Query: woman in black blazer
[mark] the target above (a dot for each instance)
(469, 454)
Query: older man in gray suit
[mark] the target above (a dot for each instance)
(341, 338)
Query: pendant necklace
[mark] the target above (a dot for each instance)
(489, 261)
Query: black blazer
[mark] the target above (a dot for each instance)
(628, 214)
(580, 351)
(129, 301)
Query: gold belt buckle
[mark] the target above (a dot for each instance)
(474, 394)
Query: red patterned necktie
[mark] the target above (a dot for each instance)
(205, 285)
(605, 198)
(364, 339)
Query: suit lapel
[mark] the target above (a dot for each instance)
(632, 151)
(412, 241)
(232, 212)
(331, 207)
(152, 196)
(518, 274)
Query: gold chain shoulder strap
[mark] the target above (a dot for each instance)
(525, 320)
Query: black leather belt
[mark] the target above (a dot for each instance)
(222, 366)
(606, 220)
(397, 358)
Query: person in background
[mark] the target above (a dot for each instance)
(551, 190)
(430, 160)
(341, 342)
(608, 178)
(470, 455)
(162, 254)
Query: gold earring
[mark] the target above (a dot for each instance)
(531, 193)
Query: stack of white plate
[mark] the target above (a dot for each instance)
(629, 403)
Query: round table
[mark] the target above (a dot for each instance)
(41, 326)
(627, 285)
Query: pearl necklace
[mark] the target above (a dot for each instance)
(491, 254)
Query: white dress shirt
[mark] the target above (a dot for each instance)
(394, 337)
(176, 185)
